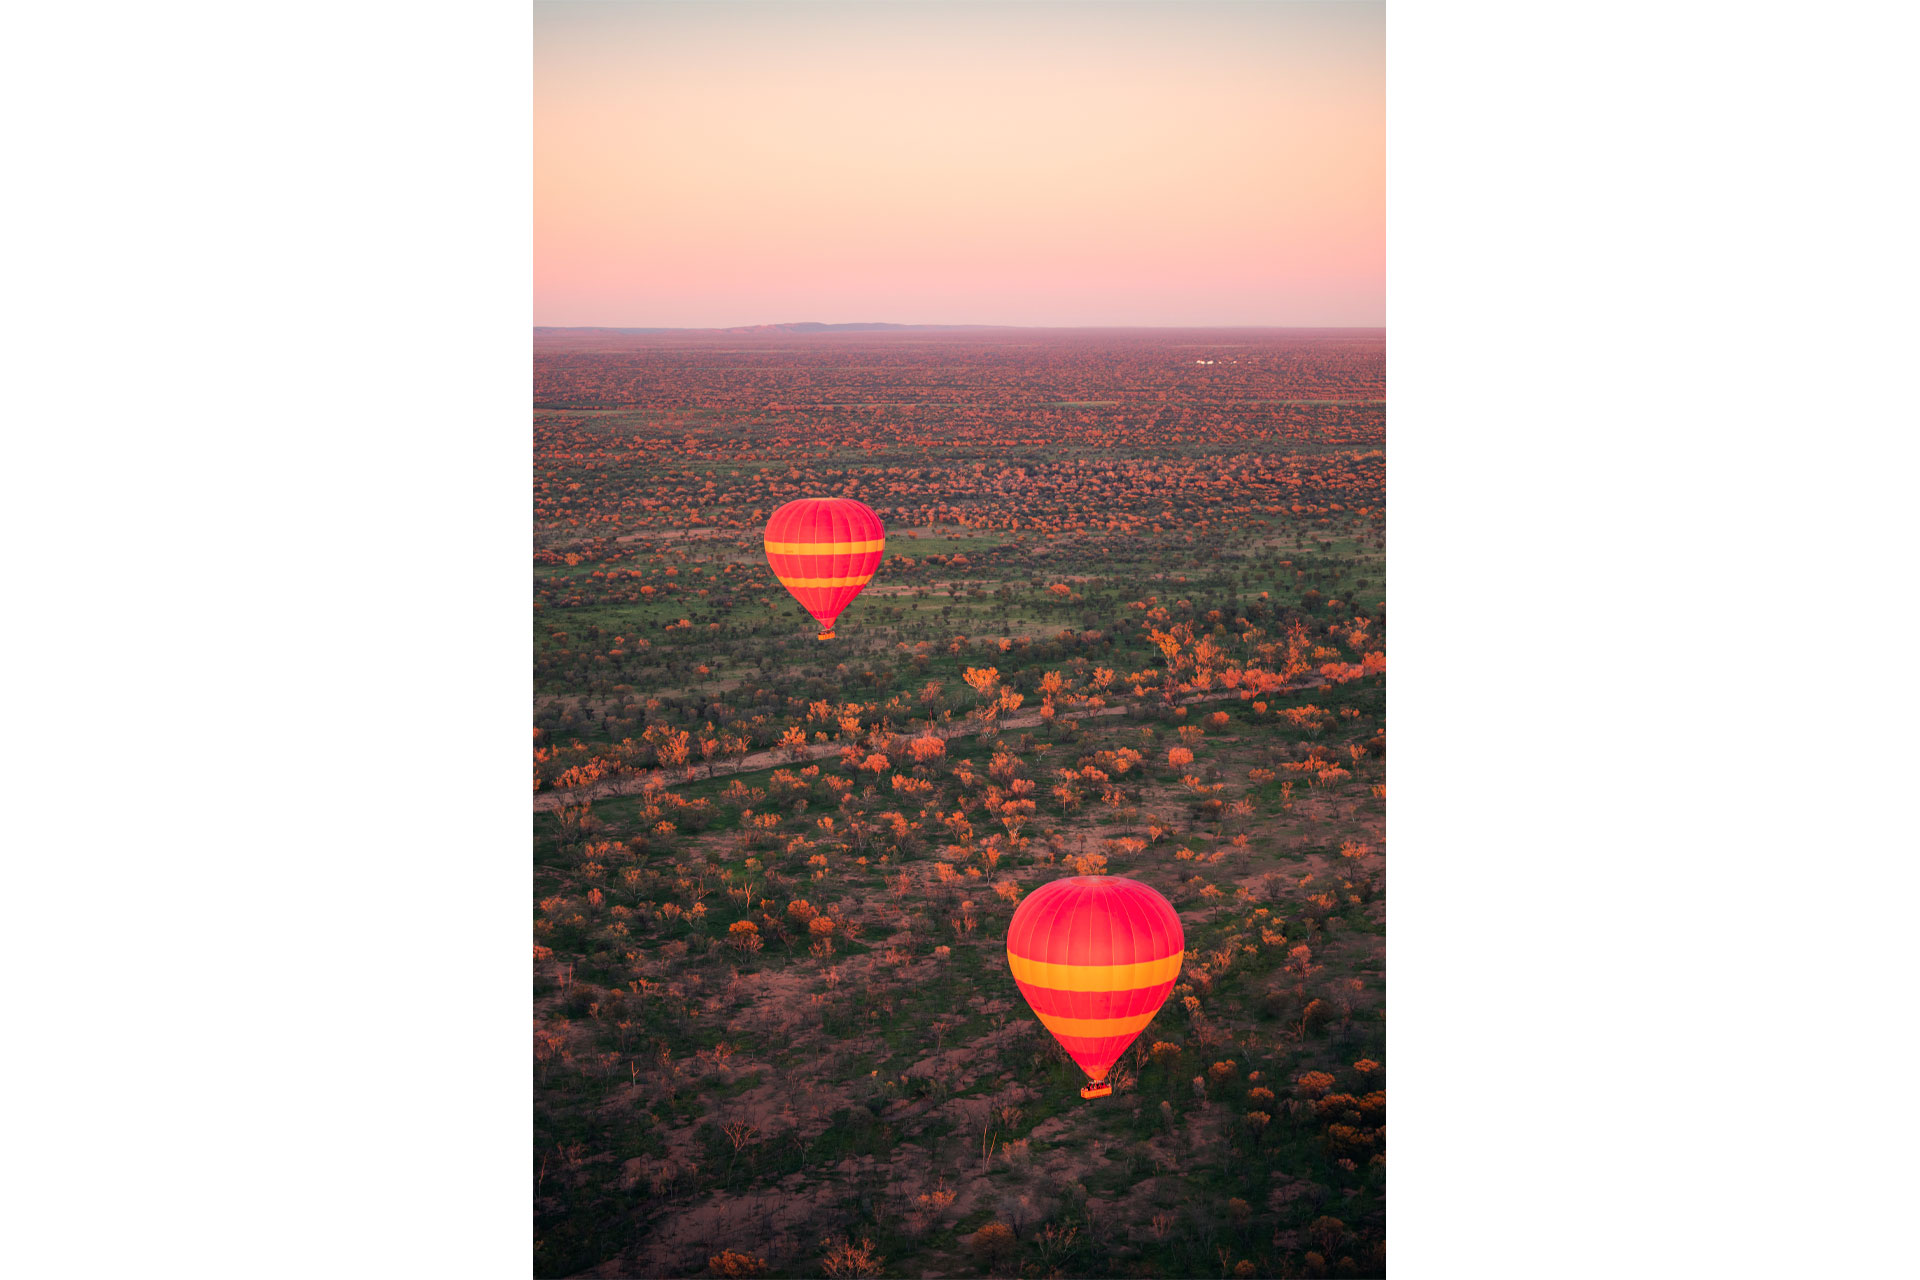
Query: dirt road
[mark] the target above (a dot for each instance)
(631, 784)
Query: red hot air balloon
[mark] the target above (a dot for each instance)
(825, 551)
(1095, 956)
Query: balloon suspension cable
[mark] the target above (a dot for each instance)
(1098, 1089)
(827, 634)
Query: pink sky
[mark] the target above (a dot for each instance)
(724, 163)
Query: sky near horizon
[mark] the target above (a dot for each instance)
(734, 162)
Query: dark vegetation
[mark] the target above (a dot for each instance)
(1131, 621)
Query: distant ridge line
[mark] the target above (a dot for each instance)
(806, 326)
(814, 326)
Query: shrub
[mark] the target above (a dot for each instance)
(1327, 1233)
(1314, 1084)
(729, 1263)
(846, 1258)
(994, 1243)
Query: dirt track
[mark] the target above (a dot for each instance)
(629, 784)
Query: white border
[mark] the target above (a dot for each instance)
(269, 469)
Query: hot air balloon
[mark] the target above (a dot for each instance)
(825, 551)
(1095, 956)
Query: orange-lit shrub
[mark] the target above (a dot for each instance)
(731, 1264)
(1313, 1084)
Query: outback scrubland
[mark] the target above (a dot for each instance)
(1131, 621)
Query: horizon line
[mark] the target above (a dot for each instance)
(887, 324)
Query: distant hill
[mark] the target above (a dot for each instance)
(806, 326)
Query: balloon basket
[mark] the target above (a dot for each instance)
(1098, 1089)
(827, 634)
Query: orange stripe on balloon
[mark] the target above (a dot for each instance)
(1096, 977)
(1095, 1027)
(859, 580)
(825, 548)
(1095, 1004)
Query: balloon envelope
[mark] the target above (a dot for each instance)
(825, 551)
(1095, 957)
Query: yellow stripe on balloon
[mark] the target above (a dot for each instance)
(826, 582)
(825, 548)
(1095, 977)
(1093, 1028)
